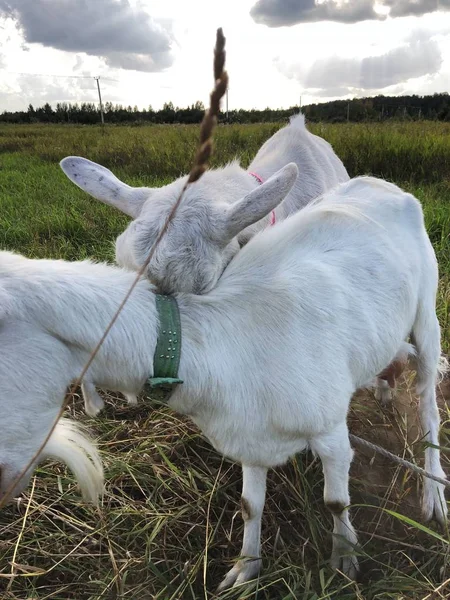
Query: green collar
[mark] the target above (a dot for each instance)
(168, 346)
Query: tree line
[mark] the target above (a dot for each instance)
(435, 107)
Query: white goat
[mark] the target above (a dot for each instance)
(270, 357)
(200, 242)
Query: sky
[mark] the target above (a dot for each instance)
(148, 52)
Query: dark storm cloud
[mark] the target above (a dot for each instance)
(279, 13)
(124, 36)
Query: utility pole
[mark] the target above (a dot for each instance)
(100, 99)
(348, 112)
(300, 102)
(227, 103)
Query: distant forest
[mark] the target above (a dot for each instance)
(379, 108)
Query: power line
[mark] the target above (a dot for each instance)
(61, 76)
(97, 79)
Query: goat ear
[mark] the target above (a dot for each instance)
(260, 201)
(100, 183)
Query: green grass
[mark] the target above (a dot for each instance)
(169, 526)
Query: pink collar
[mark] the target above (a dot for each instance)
(257, 177)
(260, 180)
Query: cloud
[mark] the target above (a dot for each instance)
(335, 92)
(17, 92)
(418, 56)
(124, 36)
(139, 62)
(281, 13)
(406, 8)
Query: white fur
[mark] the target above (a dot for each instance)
(69, 444)
(203, 236)
(270, 357)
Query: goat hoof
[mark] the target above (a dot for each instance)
(384, 396)
(92, 409)
(131, 399)
(433, 501)
(243, 571)
(347, 564)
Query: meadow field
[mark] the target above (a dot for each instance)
(169, 525)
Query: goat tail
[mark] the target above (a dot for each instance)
(70, 444)
(298, 120)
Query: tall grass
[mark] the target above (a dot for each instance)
(171, 503)
(418, 151)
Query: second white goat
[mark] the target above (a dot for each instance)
(205, 234)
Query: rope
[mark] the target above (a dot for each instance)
(401, 461)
